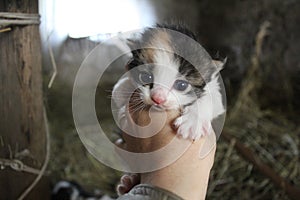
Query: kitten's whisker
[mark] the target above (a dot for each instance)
(137, 110)
(126, 92)
(132, 98)
(137, 107)
(114, 110)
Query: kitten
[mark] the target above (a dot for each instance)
(165, 80)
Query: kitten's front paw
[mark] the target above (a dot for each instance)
(190, 128)
(127, 182)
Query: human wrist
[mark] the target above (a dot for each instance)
(187, 177)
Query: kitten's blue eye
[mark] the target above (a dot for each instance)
(146, 78)
(181, 85)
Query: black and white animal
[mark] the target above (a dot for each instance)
(166, 80)
(70, 190)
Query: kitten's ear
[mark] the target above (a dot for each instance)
(131, 43)
(127, 64)
(220, 63)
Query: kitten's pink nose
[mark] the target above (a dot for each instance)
(158, 96)
(158, 100)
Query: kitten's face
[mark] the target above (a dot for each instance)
(164, 79)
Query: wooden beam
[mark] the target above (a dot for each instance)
(22, 127)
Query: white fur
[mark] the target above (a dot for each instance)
(196, 119)
(121, 91)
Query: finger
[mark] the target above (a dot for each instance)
(121, 189)
(135, 179)
(126, 180)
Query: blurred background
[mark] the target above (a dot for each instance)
(263, 100)
(262, 78)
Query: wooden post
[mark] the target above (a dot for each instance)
(22, 127)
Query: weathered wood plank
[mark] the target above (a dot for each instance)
(21, 101)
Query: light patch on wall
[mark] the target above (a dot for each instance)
(92, 17)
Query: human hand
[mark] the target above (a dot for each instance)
(187, 176)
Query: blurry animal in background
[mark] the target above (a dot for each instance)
(70, 190)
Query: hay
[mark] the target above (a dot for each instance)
(69, 158)
(270, 136)
(71, 161)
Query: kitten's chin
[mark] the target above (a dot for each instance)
(158, 107)
(164, 107)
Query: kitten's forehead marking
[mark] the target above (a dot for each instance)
(159, 51)
(159, 40)
(148, 55)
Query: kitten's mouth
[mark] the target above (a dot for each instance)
(159, 107)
